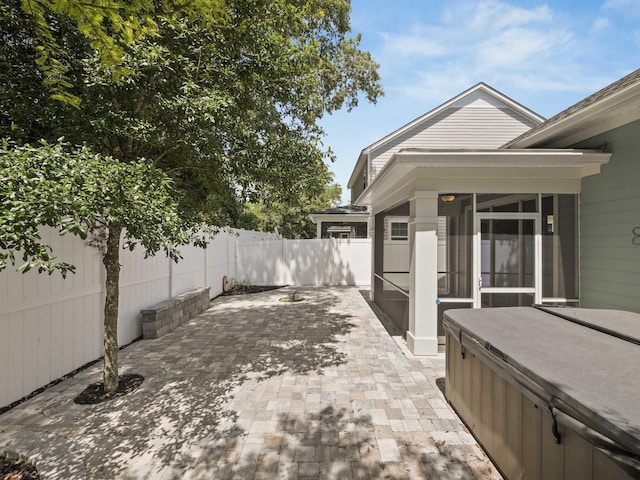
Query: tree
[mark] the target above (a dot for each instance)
(232, 112)
(229, 112)
(89, 195)
(108, 25)
(291, 219)
(226, 106)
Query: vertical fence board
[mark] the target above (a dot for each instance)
(50, 326)
(43, 347)
(57, 341)
(68, 336)
(30, 349)
(4, 360)
(16, 345)
(305, 262)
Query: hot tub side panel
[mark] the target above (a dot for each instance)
(514, 431)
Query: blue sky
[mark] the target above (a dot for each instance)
(546, 56)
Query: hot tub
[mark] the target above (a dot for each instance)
(550, 393)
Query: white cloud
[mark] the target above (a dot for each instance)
(416, 44)
(493, 14)
(626, 7)
(545, 56)
(601, 23)
(522, 48)
(482, 41)
(478, 27)
(547, 53)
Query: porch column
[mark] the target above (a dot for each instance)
(319, 229)
(371, 235)
(422, 337)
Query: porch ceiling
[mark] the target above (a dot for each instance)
(480, 171)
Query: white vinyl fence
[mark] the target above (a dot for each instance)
(50, 326)
(306, 262)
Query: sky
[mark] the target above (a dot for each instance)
(545, 56)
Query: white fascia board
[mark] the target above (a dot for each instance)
(605, 125)
(390, 173)
(521, 109)
(609, 103)
(405, 167)
(359, 163)
(509, 158)
(534, 117)
(337, 217)
(480, 86)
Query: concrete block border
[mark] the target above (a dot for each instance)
(160, 319)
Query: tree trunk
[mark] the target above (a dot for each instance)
(111, 261)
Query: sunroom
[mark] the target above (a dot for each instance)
(486, 228)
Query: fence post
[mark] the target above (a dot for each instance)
(170, 277)
(285, 266)
(205, 266)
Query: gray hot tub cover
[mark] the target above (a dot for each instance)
(583, 364)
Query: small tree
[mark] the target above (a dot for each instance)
(95, 197)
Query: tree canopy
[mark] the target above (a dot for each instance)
(83, 193)
(108, 26)
(228, 108)
(292, 220)
(90, 195)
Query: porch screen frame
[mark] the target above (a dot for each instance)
(536, 290)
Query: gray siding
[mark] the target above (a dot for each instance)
(360, 184)
(610, 210)
(477, 125)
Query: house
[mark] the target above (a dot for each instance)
(349, 221)
(504, 208)
(609, 202)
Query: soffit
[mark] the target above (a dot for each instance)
(441, 170)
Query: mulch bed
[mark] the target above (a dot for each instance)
(245, 289)
(14, 469)
(94, 393)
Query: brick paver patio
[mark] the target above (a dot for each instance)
(258, 389)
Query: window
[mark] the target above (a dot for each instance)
(399, 231)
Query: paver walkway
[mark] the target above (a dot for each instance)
(258, 389)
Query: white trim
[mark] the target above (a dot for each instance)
(475, 259)
(339, 217)
(422, 346)
(483, 87)
(481, 158)
(480, 87)
(508, 290)
(536, 290)
(618, 103)
(356, 169)
(560, 300)
(559, 170)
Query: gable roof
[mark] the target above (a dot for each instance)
(592, 107)
(343, 210)
(480, 87)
